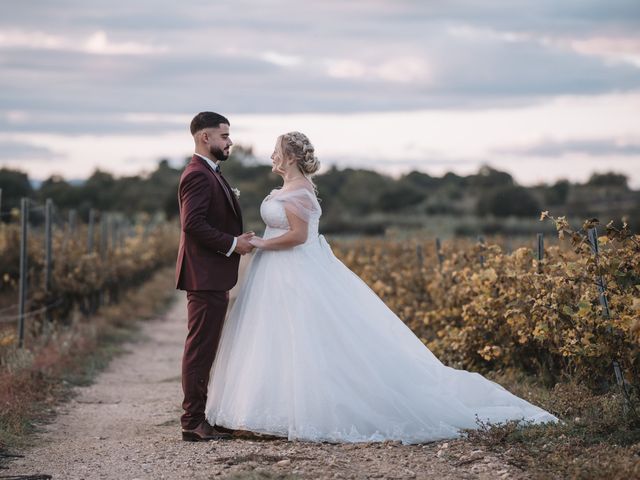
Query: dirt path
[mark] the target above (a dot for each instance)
(125, 426)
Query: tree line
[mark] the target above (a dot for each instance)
(353, 200)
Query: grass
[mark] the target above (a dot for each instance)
(33, 380)
(595, 440)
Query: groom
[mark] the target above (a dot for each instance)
(211, 243)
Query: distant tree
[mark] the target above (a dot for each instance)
(243, 154)
(506, 201)
(451, 178)
(609, 179)
(488, 178)
(63, 194)
(421, 180)
(243, 166)
(452, 192)
(15, 185)
(399, 196)
(332, 180)
(163, 184)
(329, 186)
(557, 193)
(99, 189)
(253, 179)
(135, 194)
(361, 190)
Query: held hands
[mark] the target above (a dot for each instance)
(257, 241)
(243, 244)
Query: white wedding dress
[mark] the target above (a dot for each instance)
(310, 352)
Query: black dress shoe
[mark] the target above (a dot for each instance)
(203, 433)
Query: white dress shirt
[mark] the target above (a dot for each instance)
(214, 166)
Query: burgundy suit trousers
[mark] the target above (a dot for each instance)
(206, 311)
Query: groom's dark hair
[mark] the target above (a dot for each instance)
(207, 120)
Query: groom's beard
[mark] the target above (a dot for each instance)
(218, 153)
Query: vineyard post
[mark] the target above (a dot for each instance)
(104, 246)
(69, 229)
(123, 232)
(92, 221)
(507, 246)
(22, 294)
(72, 222)
(439, 252)
(481, 256)
(145, 232)
(592, 235)
(104, 231)
(419, 255)
(540, 250)
(115, 228)
(48, 260)
(48, 252)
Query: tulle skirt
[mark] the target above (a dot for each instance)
(310, 352)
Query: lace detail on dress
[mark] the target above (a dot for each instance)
(299, 201)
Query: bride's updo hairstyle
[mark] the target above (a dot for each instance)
(297, 145)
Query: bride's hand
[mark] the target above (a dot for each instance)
(257, 241)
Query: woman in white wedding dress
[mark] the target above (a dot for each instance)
(310, 352)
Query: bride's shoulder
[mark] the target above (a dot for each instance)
(297, 189)
(273, 193)
(301, 193)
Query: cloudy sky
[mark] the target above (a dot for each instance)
(544, 89)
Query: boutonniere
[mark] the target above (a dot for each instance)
(236, 192)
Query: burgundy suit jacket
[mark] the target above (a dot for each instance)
(210, 217)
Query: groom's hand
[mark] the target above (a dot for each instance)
(242, 245)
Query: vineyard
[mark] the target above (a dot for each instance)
(557, 325)
(571, 310)
(75, 269)
(477, 307)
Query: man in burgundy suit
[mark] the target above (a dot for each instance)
(211, 243)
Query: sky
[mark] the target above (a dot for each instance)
(543, 89)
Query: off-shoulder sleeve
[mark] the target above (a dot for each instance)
(300, 202)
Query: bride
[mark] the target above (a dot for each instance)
(310, 352)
